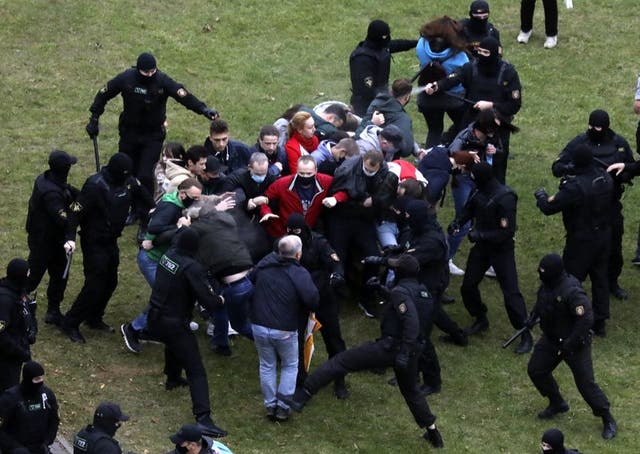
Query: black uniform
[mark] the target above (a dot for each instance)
(565, 319)
(497, 81)
(101, 210)
(493, 207)
(144, 113)
(400, 332)
(28, 418)
(95, 440)
(180, 281)
(607, 148)
(48, 228)
(475, 30)
(17, 331)
(585, 202)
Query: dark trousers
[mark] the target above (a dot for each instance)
(47, 256)
(144, 148)
(10, 375)
(527, 8)
(429, 365)
(181, 352)
(481, 256)
(433, 109)
(100, 262)
(347, 234)
(360, 103)
(373, 355)
(589, 257)
(545, 359)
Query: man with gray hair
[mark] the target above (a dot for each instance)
(283, 289)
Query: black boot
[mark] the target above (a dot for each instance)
(526, 343)
(433, 436)
(599, 328)
(207, 427)
(340, 389)
(610, 427)
(300, 399)
(480, 325)
(53, 316)
(556, 405)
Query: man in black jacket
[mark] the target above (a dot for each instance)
(180, 282)
(396, 347)
(28, 414)
(565, 319)
(17, 323)
(144, 90)
(51, 236)
(101, 209)
(97, 438)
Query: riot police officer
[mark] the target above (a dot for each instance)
(492, 206)
(29, 414)
(97, 438)
(51, 236)
(17, 323)
(477, 26)
(180, 281)
(144, 90)
(396, 347)
(565, 319)
(585, 202)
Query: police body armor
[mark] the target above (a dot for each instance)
(488, 88)
(85, 441)
(593, 215)
(381, 77)
(38, 221)
(115, 204)
(423, 302)
(29, 425)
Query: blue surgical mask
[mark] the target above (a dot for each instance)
(258, 178)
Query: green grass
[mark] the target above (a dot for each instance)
(251, 60)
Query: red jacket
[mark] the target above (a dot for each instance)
(281, 194)
(296, 146)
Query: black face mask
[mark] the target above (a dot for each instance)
(305, 181)
(478, 25)
(187, 201)
(596, 136)
(437, 44)
(182, 449)
(29, 388)
(146, 80)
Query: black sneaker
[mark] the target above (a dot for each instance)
(340, 391)
(599, 328)
(207, 427)
(271, 413)
(130, 337)
(619, 293)
(53, 317)
(300, 399)
(282, 414)
(433, 436)
(610, 428)
(427, 390)
(554, 409)
(73, 334)
(179, 382)
(458, 338)
(100, 325)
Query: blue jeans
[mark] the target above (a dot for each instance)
(148, 268)
(460, 193)
(272, 344)
(236, 307)
(387, 233)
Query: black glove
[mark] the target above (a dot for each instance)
(474, 235)
(92, 127)
(336, 279)
(402, 359)
(569, 169)
(453, 227)
(540, 194)
(210, 113)
(394, 249)
(375, 260)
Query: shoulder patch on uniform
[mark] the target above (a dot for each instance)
(103, 89)
(182, 92)
(168, 264)
(3, 325)
(515, 94)
(552, 198)
(424, 294)
(620, 149)
(62, 213)
(558, 299)
(75, 207)
(368, 82)
(504, 223)
(402, 308)
(580, 310)
(335, 257)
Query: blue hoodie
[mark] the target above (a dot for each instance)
(454, 61)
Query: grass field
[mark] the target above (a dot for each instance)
(251, 60)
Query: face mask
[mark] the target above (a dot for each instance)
(182, 449)
(258, 178)
(305, 181)
(187, 201)
(594, 135)
(368, 173)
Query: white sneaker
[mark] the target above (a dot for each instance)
(193, 326)
(454, 270)
(551, 42)
(490, 272)
(523, 37)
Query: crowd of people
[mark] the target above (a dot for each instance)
(332, 204)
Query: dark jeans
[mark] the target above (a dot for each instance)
(236, 307)
(47, 256)
(481, 256)
(181, 352)
(545, 359)
(527, 8)
(100, 262)
(372, 355)
(433, 109)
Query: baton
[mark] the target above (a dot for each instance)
(516, 335)
(96, 155)
(67, 267)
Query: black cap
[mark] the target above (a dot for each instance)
(378, 31)
(146, 62)
(582, 156)
(405, 265)
(31, 370)
(189, 432)
(479, 7)
(213, 164)
(599, 118)
(393, 134)
(61, 160)
(110, 411)
(555, 439)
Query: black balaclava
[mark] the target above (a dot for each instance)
(30, 370)
(146, 62)
(551, 269)
(187, 240)
(582, 157)
(555, 439)
(296, 221)
(598, 118)
(405, 267)
(482, 175)
(18, 273)
(379, 33)
(119, 168)
(478, 7)
(419, 215)
(60, 164)
(489, 65)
